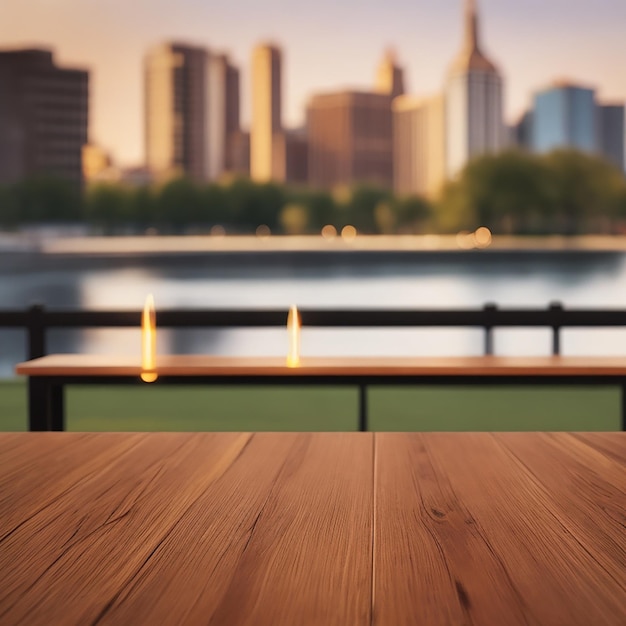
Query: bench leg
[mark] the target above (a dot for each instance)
(623, 407)
(57, 407)
(362, 408)
(38, 404)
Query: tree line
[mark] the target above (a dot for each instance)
(564, 192)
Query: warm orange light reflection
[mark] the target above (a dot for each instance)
(293, 332)
(465, 240)
(263, 231)
(148, 342)
(348, 233)
(329, 231)
(482, 237)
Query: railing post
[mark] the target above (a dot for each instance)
(489, 308)
(36, 331)
(555, 308)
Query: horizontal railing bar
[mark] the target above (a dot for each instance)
(492, 317)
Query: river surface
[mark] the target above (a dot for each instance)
(372, 280)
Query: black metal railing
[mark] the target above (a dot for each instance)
(37, 320)
(46, 402)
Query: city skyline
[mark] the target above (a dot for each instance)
(532, 45)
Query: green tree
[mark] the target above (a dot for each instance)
(414, 214)
(294, 219)
(250, 205)
(47, 199)
(178, 205)
(214, 204)
(141, 207)
(363, 204)
(586, 192)
(507, 192)
(321, 208)
(9, 210)
(455, 210)
(107, 207)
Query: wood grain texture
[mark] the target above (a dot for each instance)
(607, 443)
(204, 365)
(305, 529)
(584, 490)
(197, 529)
(466, 532)
(72, 557)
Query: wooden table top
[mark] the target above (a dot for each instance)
(204, 365)
(303, 529)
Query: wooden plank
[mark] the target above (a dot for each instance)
(64, 563)
(208, 365)
(40, 467)
(465, 534)
(197, 528)
(584, 489)
(291, 546)
(609, 444)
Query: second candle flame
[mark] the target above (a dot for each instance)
(293, 332)
(148, 342)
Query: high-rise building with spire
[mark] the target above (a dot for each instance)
(266, 109)
(473, 94)
(390, 76)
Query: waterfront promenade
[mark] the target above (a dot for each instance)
(194, 244)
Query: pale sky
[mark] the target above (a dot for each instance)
(327, 44)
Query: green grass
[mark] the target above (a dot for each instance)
(324, 408)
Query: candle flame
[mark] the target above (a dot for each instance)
(293, 332)
(148, 342)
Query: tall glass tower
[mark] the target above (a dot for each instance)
(473, 100)
(565, 116)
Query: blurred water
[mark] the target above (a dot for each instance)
(460, 280)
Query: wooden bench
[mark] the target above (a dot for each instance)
(48, 375)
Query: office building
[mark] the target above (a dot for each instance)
(521, 133)
(240, 153)
(192, 111)
(226, 119)
(350, 139)
(290, 157)
(611, 133)
(44, 113)
(266, 109)
(473, 93)
(418, 145)
(390, 76)
(565, 116)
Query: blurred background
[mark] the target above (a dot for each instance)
(257, 155)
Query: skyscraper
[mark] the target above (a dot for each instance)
(390, 76)
(418, 145)
(290, 157)
(192, 108)
(232, 125)
(474, 117)
(43, 117)
(266, 109)
(350, 139)
(564, 115)
(611, 133)
(222, 114)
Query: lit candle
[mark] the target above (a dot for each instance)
(148, 342)
(293, 332)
